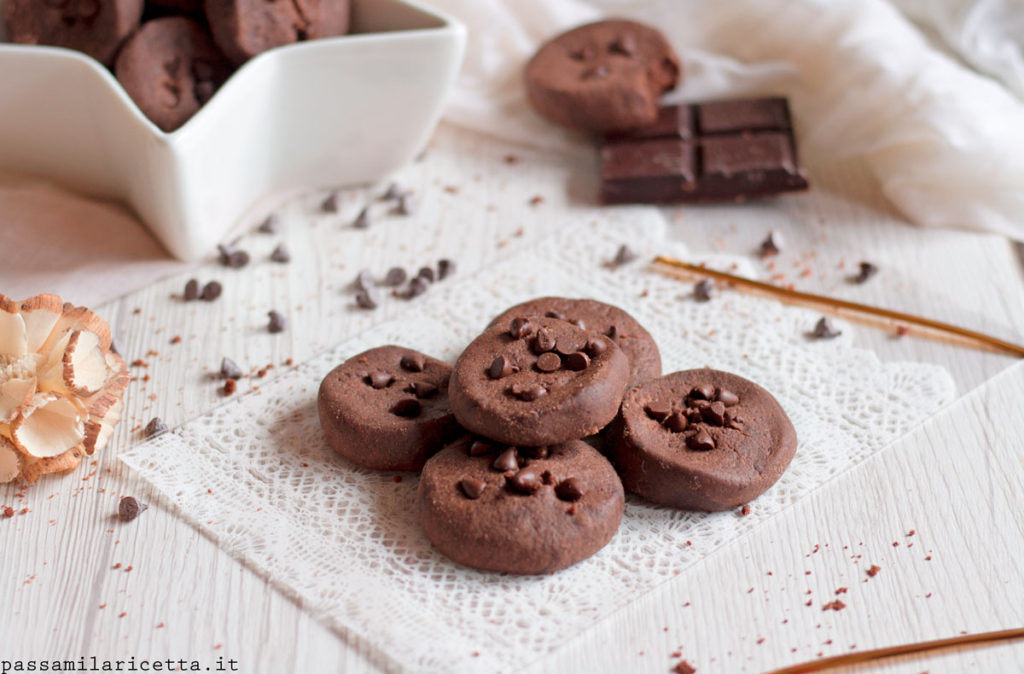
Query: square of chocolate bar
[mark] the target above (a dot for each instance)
(649, 171)
(706, 152)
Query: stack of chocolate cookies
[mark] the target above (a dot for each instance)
(172, 55)
(508, 483)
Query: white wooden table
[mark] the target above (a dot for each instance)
(77, 583)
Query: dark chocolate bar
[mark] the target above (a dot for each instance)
(706, 152)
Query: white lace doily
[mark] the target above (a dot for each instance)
(257, 476)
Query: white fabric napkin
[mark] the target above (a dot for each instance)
(945, 143)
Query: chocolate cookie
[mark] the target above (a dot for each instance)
(170, 68)
(387, 408)
(246, 28)
(604, 77)
(524, 511)
(620, 327)
(94, 27)
(701, 440)
(538, 381)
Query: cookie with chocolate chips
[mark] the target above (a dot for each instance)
(387, 408)
(246, 28)
(538, 381)
(171, 68)
(603, 319)
(602, 77)
(94, 27)
(701, 440)
(516, 510)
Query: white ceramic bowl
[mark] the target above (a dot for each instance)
(337, 111)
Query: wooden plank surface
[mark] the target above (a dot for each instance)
(955, 481)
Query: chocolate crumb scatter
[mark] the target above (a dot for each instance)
(704, 290)
(129, 508)
(276, 322)
(362, 220)
(873, 570)
(270, 225)
(155, 427)
(280, 254)
(230, 386)
(8, 512)
(824, 329)
(745, 510)
(834, 605)
(865, 270)
(772, 244)
(536, 200)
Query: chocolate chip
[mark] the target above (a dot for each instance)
(771, 245)
(280, 254)
(567, 346)
(276, 323)
(479, 448)
(726, 396)
(407, 204)
(426, 273)
(413, 362)
(569, 490)
(519, 328)
(417, 286)
(445, 268)
(546, 477)
(596, 346)
(824, 329)
(393, 192)
(612, 334)
(864, 272)
(535, 452)
(714, 413)
(676, 423)
(658, 409)
(191, 290)
(624, 45)
(229, 369)
(701, 441)
(544, 341)
(362, 220)
(472, 487)
(271, 225)
(331, 203)
(395, 277)
(526, 482)
(156, 426)
(529, 393)
(500, 367)
(129, 508)
(211, 291)
(409, 408)
(583, 54)
(366, 299)
(555, 314)
(624, 255)
(549, 362)
(506, 461)
(702, 392)
(577, 361)
(380, 380)
(704, 290)
(424, 389)
(364, 281)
